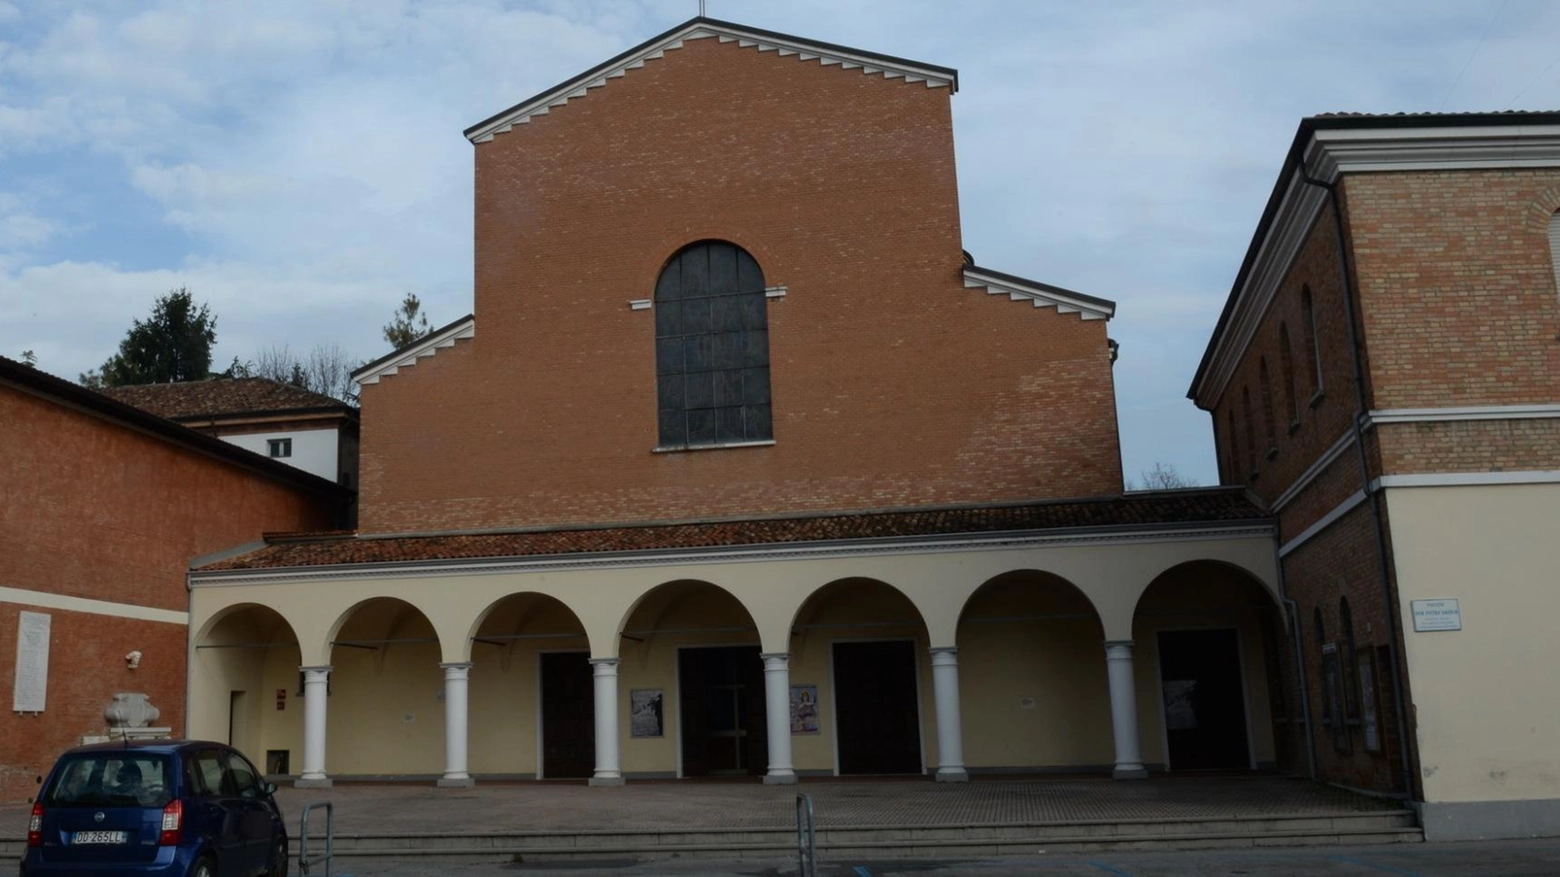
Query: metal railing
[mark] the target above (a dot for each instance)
(304, 862)
(806, 837)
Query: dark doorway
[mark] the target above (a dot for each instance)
(876, 704)
(722, 709)
(1205, 706)
(568, 716)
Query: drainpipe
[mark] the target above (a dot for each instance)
(1372, 493)
(1305, 694)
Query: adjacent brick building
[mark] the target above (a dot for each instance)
(1390, 388)
(104, 507)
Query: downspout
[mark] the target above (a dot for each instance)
(1372, 493)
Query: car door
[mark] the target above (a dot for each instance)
(220, 815)
(254, 815)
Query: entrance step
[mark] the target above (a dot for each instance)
(1308, 829)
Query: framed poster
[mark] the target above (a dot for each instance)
(645, 712)
(1370, 721)
(804, 709)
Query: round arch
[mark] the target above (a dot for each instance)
(1225, 569)
(238, 657)
(525, 607)
(393, 614)
(226, 613)
(1075, 605)
(661, 600)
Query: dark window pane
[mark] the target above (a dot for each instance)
(728, 388)
(723, 269)
(755, 310)
(670, 393)
(756, 419)
(749, 277)
(727, 350)
(726, 313)
(701, 426)
(669, 356)
(755, 348)
(695, 315)
(696, 352)
(668, 319)
(674, 427)
(728, 425)
(667, 286)
(701, 390)
(695, 272)
(755, 386)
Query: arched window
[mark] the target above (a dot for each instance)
(712, 348)
(1346, 631)
(1267, 404)
(1313, 357)
(1237, 473)
(1286, 362)
(1554, 246)
(1321, 654)
(1251, 434)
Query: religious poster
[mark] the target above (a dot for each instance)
(804, 709)
(645, 712)
(1180, 708)
(32, 662)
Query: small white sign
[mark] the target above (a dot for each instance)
(1436, 615)
(32, 662)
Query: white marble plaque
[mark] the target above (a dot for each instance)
(1436, 615)
(32, 662)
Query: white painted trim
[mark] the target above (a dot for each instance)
(1042, 297)
(64, 603)
(744, 554)
(1322, 523)
(920, 707)
(1315, 470)
(1470, 412)
(726, 33)
(427, 347)
(1467, 479)
(1331, 154)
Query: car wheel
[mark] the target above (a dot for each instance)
(278, 859)
(203, 868)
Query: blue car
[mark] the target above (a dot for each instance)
(156, 807)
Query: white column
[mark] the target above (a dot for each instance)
(455, 775)
(1123, 710)
(607, 773)
(777, 712)
(315, 687)
(950, 727)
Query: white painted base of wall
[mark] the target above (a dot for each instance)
(1489, 820)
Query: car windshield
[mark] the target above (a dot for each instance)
(111, 779)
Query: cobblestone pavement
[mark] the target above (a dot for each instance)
(1482, 859)
(369, 808)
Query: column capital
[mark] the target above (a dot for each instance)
(456, 665)
(606, 665)
(322, 669)
(950, 651)
(776, 656)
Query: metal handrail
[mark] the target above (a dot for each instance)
(304, 862)
(806, 837)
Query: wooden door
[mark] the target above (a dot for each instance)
(568, 715)
(722, 710)
(877, 716)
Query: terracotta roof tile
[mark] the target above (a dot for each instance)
(189, 399)
(1207, 505)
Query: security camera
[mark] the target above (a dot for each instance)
(133, 660)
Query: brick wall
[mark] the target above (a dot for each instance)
(98, 510)
(892, 384)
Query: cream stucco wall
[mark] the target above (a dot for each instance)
(1033, 684)
(1484, 697)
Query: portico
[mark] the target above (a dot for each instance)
(940, 653)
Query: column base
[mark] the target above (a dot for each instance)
(952, 775)
(1130, 772)
(780, 779)
(605, 781)
(319, 783)
(455, 782)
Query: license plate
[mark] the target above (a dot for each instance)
(97, 837)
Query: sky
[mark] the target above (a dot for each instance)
(300, 165)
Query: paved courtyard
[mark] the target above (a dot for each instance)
(373, 808)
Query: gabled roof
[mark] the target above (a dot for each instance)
(1044, 295)
(1210, 507)
(40, 383)
(427, 345)
(704, 28)
(218, 397)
